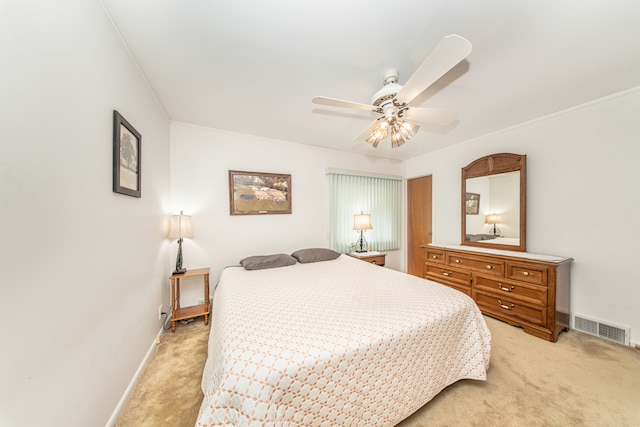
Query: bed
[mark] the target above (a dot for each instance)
(335, 342)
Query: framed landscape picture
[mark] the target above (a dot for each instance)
(126, 157)
(472, 203)
(256, 193)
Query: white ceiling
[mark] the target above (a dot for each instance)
(252, 66)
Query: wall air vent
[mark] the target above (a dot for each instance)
(619, 334)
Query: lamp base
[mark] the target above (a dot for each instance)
(179, 269)
(361, 244)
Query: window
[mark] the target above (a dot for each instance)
(352, 193)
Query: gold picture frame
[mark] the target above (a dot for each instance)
(259, 193)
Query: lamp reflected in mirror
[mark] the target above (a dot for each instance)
(494, 219)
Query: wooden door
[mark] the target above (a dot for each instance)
(418, 222)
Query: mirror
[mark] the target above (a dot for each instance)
(494, 202)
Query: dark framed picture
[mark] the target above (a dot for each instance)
(255, 193)
(126, 157)
(472, 203)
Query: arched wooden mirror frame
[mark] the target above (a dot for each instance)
(491, 165)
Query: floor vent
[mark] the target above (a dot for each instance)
(611, 332)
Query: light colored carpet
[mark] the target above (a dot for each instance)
(168, 392)
(579, 381)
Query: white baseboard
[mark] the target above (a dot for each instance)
(134, 380)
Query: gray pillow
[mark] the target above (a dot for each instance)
(479, 237)
(488, 236)
(315, 255)
(260, 262)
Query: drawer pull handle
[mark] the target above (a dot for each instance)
(525, 273)
(434, 256)
(506, 307)
(458, 261)
(502, 288)
(445, 273)
(489, 267)
(373, 261)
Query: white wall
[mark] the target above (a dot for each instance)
(505, 191)
(84, 269)
(582, 198)
(200, 161)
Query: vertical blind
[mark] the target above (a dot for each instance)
(354, 192)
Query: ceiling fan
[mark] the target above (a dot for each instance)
(394, 101)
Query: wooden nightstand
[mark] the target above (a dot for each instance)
(178, 313)
(376, 258)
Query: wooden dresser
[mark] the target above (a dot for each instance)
(523, 289)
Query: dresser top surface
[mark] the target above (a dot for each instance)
(512, 254)
(366, 254)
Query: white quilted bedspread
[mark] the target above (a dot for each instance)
(335, 343)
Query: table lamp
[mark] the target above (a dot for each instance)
(360, 223)
(180, 227)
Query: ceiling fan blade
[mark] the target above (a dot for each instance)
(322, 100)
(446, 55)
(430, 115)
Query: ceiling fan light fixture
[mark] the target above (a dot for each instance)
(378, 134)
(374, 141)
(396, 137)
(408, 130)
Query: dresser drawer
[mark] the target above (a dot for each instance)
(533, 294)
(486, 265)
(510, 308)
(378, 260)
(446, 275)
(434, 256)
(463, 289)
(527, 273)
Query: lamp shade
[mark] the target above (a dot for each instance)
(362, 222)
(493, 219)
(378, 134)
(180, 226)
